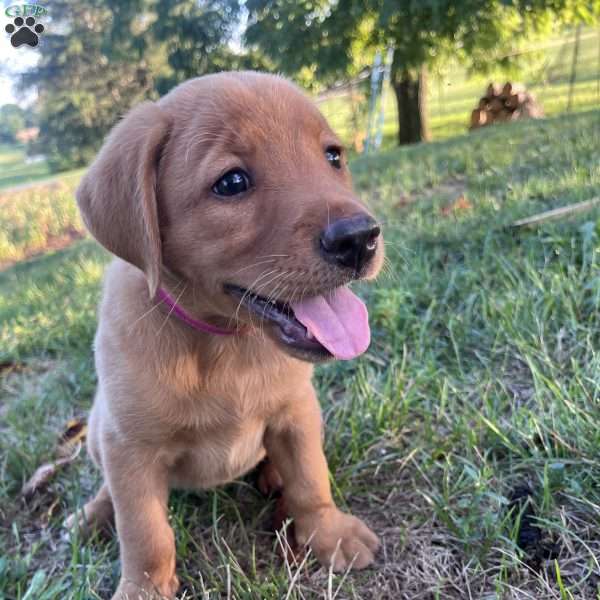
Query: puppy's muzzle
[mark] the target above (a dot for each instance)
(350, 242)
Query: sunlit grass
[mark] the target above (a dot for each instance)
(33, 218)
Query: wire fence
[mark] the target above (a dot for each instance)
(563, 74)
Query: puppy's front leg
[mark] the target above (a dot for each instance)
(293, 443)
(139, 489)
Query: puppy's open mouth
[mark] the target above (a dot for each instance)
(331, 325)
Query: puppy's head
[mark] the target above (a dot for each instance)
(236, 183)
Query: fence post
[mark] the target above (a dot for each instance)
(598, 71)
(375, 77)
(389, 57)
(574, 68)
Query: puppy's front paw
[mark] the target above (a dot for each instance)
(337, 539)
(129, 590)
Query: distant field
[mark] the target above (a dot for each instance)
(453, 95)
(15, 171)
(468, 435)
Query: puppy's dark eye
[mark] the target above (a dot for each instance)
(233, 182)
(334, 156)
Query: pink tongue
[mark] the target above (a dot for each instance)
(339, 320)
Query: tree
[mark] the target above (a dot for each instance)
(100, 57)
(86, 79)
(320, 36)
(12, 120)
(195, 36)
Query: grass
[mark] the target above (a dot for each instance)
(467, 436)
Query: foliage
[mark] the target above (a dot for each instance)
(101, 57)
(314, 37)
(85, 80)
(195, 37)
(321, 37)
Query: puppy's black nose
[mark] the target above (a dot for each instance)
(351, 241)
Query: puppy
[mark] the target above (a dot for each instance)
(229, 207)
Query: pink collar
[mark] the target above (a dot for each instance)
(175, 309)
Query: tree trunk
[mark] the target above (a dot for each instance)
(411, 95)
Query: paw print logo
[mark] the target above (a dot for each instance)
(24, 31)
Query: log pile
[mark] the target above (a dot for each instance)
(508, 103)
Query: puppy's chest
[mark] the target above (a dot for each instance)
(211, 457)
(222, 437)
(222, 419)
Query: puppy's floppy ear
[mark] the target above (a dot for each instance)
(117, 196)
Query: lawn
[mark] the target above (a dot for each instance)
(467, 436)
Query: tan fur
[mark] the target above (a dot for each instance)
(179, 408)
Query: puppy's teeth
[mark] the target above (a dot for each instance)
(309, 335)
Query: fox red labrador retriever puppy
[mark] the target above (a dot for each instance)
(229, 207)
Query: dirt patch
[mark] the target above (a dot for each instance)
(448, 191)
